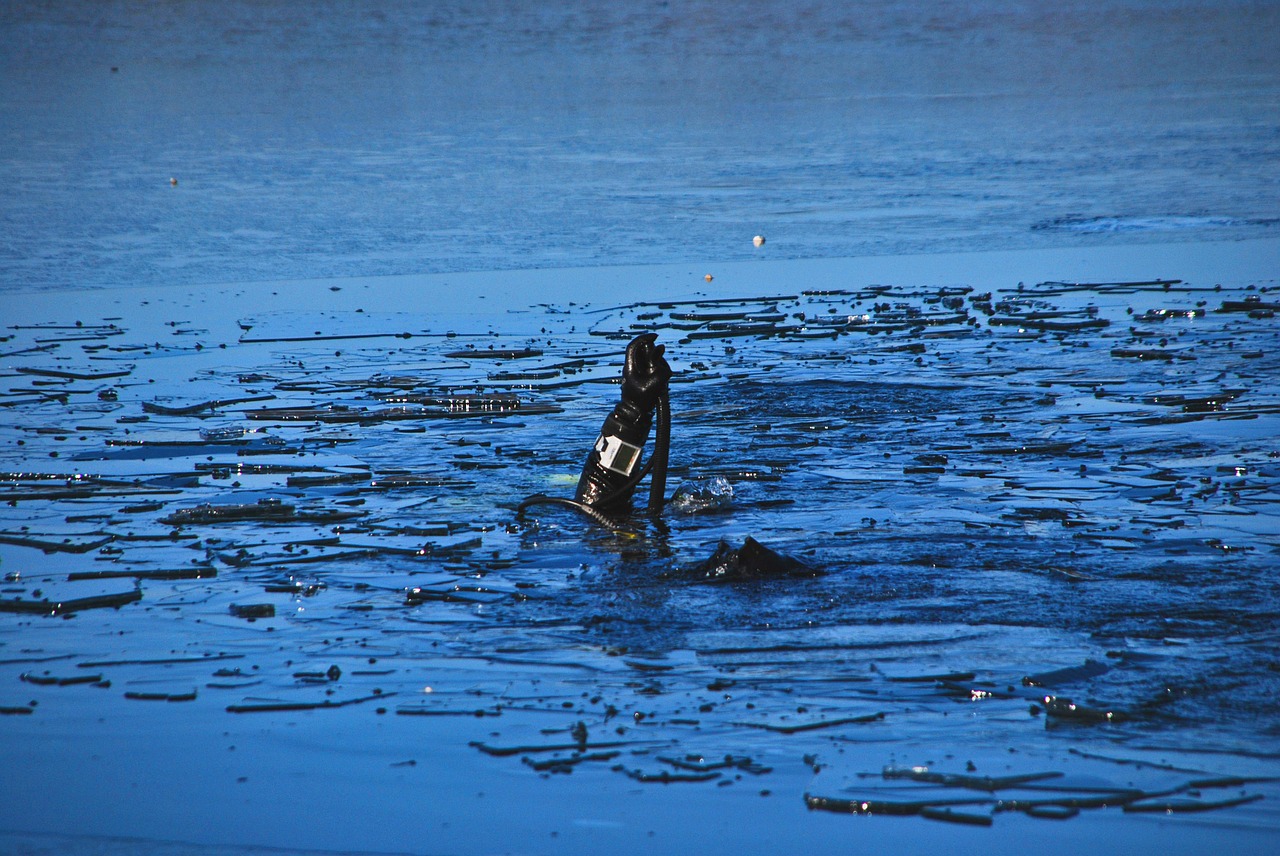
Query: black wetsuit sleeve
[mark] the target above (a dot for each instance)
(615, 459)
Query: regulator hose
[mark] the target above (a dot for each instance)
(661, 453)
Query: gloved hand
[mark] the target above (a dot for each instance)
(645, 372)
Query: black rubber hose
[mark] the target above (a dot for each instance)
(661, 454)
(543, 499)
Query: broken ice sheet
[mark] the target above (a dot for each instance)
(982, 474)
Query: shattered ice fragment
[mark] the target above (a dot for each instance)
(232, 432)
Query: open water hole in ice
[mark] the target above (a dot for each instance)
(1044, 519)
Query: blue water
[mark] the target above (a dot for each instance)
(999, 481)
(337, 139)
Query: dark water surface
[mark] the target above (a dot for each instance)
(1045, 515)
(335, 139)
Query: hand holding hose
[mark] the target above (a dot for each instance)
(645, 373)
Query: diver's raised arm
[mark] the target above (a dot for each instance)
(609, 475)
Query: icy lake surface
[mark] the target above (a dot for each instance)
(332, 140)
(264, 582)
